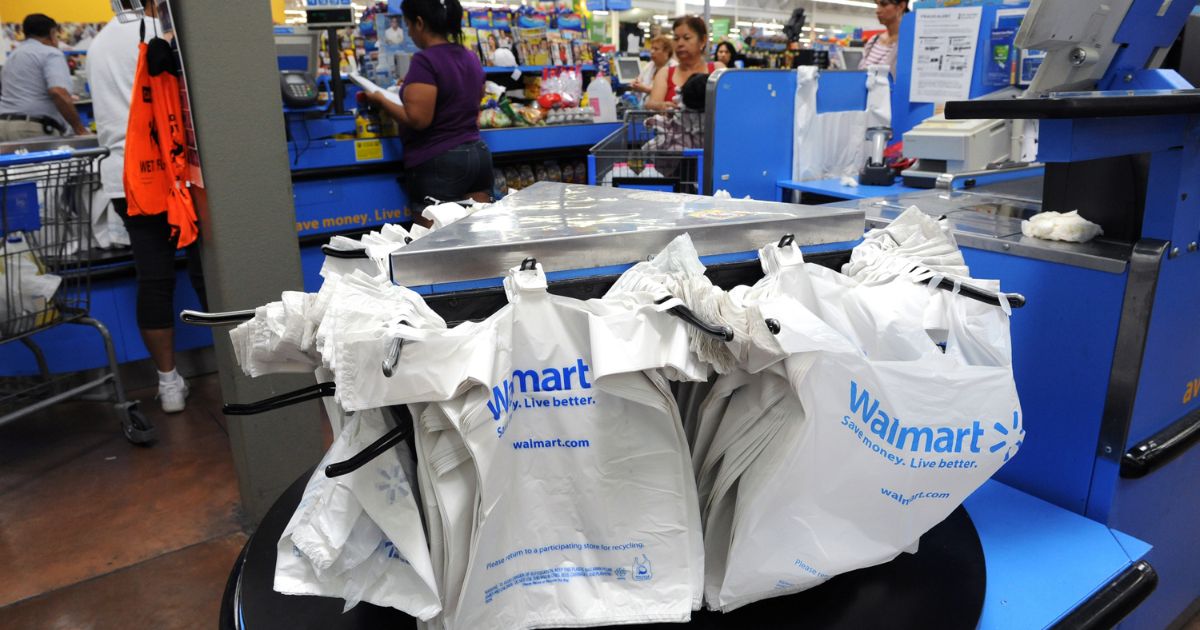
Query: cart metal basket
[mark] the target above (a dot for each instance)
(45, 278)
(652, 151)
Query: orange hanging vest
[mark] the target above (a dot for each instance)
(155, 150)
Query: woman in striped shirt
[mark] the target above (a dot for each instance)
(880, 50)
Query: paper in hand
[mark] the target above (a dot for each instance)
(371, 87)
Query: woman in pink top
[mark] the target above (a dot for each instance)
(691, 44)
(880, 50)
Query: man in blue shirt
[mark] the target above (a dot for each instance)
(35, 99)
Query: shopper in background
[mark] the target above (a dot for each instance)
(727, 54)
(880, 50)
(691, 42)
(112, 63)
(444, 157)
(660, 57)
(36, 100)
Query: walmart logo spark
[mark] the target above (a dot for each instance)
(394, 484)
(1016, 434)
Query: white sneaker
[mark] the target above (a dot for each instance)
(172, 394)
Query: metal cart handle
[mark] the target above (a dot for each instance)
(53, 155)
(200, 318)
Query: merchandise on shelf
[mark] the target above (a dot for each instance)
(512, 178)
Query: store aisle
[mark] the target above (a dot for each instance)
(98, 533)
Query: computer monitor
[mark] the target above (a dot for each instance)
(627, 69)
(297, 51)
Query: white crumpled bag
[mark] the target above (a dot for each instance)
(1061, 226)
(444, 214)
(359, 536)
(586, 511)
(25, 289)
(880, 448)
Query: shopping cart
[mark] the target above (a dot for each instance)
(651, 151)
(45, 262)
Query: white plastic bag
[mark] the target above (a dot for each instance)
(833, 144)
(26, 290)
(879, 450)
(586, 510)
(359, 537)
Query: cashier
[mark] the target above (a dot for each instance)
(444, 157)
(880, 50)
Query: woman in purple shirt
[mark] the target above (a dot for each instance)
(444, 158)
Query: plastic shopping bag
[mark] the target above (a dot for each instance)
(879, 451)
(334, 547)
(359, 537)
(586, 512)
(26, 290)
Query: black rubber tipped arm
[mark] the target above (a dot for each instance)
(352, 254)
(200, 318)
(312, 392)
(682, 312)
(1015, 300)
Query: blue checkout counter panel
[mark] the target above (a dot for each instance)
(1042, 561)
(343, 185)
(835, 189)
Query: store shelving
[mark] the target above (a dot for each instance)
(524, 69)
(516, 139)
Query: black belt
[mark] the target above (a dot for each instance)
(44, 121)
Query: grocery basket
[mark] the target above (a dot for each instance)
(45, 278)
(651, 151)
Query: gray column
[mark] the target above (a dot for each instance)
(248, 224)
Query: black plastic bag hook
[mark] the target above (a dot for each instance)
(1015, 300)
(200, 318)
(334, 252)
(402, 432)
(320, 390)
(787, 240)
(724, 333)
(529, 264)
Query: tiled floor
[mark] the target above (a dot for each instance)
(98, 533)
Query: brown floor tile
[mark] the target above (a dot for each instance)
(78, 501)
(174, 591)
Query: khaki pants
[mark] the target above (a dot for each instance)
(12, 130)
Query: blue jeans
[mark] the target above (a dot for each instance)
(451, 176)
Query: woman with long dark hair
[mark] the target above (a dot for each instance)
(727, 54)
(444, 157)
